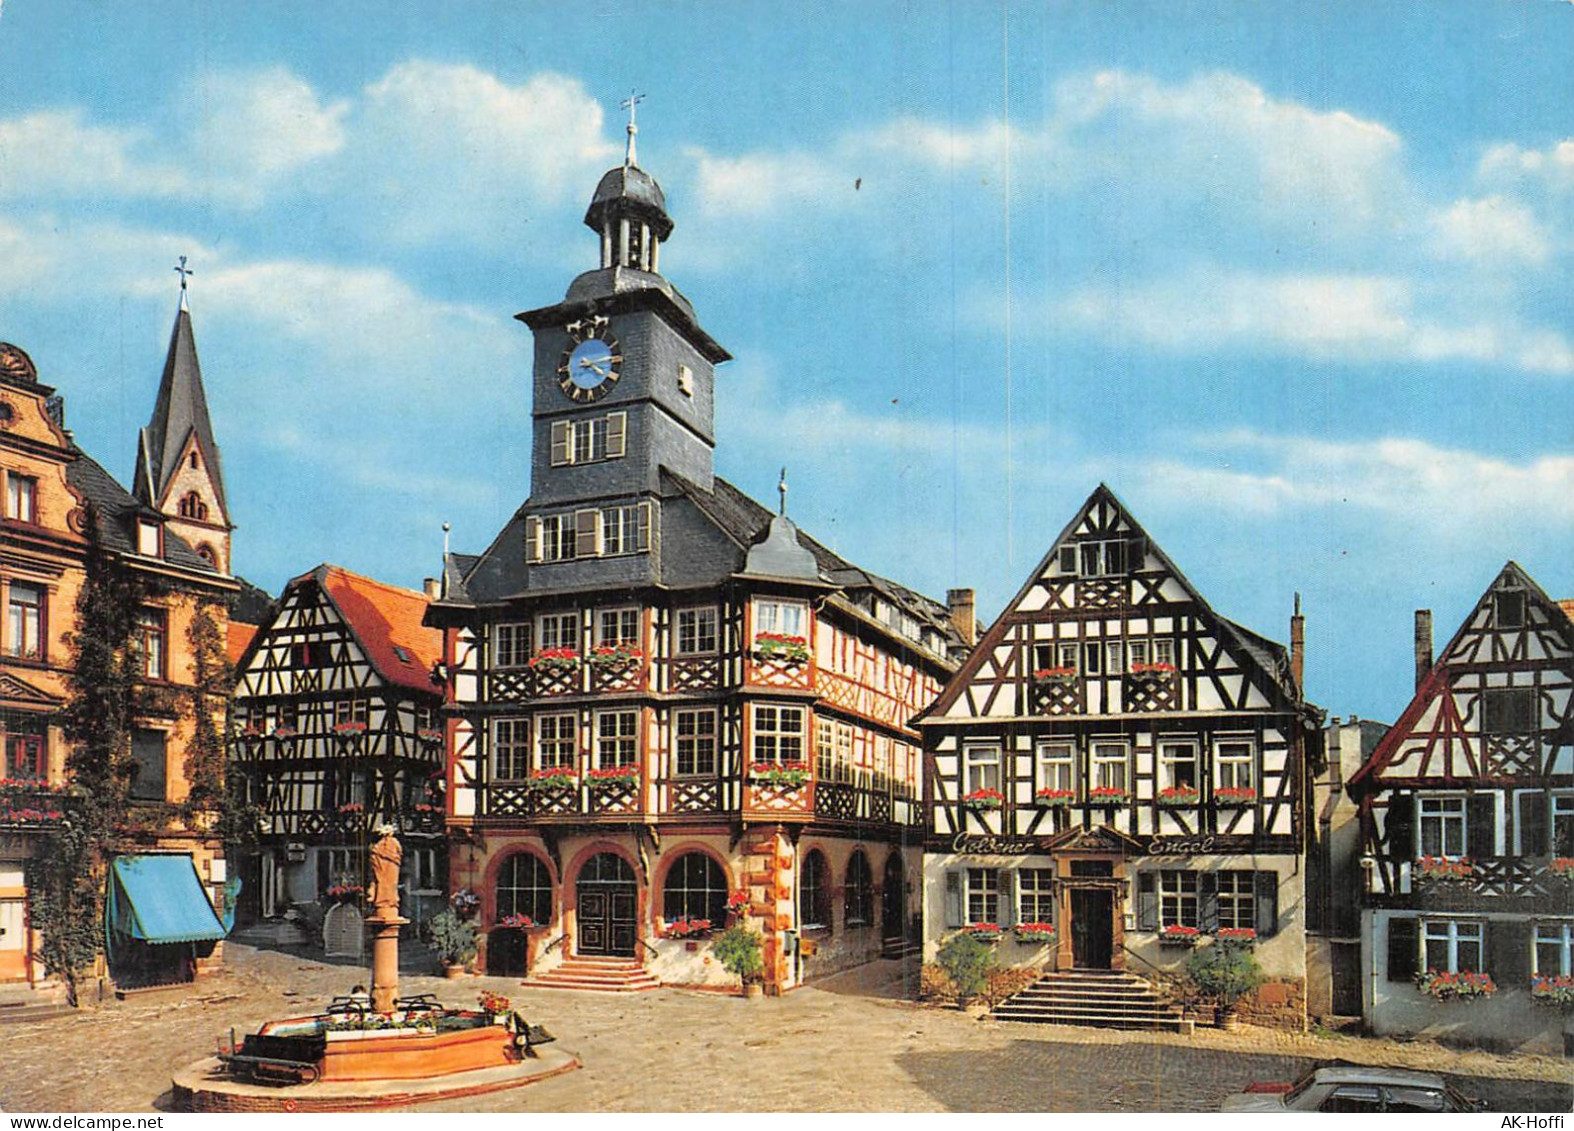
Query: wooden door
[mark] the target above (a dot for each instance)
(1092, 929)
(13, 940)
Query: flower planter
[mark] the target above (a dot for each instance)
(1178, 798)
(1434, 868)
(1179, 936)
(783, 649)
(1229, 798)
(981, 799)
(1035, 933)
(1054, 798)
(1107, 797)
(1556, 992)
(779, 775)
(1466, 985)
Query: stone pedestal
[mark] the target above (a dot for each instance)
(385, 961)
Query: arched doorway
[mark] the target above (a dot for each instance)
(606, 896)
(893, 900)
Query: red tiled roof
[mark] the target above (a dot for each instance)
(387, 622)
(237, 638)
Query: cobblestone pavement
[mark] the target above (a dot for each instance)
(850, 1043)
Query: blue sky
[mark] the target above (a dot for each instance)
(1293, 279)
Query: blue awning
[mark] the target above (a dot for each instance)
(159, 899)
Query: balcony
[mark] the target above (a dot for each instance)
(566, 677)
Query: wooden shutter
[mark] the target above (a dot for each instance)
(1147, 901)
(1533, 824)
(1481, 825)
(617, 431)
(642, 527)
(532, 539)
(1006, 884)
(1265, 900)
(1400, 826)
(953, 899)
(587, 534)
(1208, 901)
(1403, 947)
(1508, 953)
(562, 447)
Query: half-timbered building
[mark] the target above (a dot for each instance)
(660, 694)
(1467, 813)
(335, 731)
(1123, 769)
(58, 502)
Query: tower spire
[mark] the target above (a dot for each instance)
(630, 159)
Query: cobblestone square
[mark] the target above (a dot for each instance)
(850, 1043)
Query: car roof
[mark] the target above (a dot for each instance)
(1367, 1074)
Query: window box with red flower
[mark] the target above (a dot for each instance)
(1235, 795)
(349, 728)
(283, 732)
(1554, 990)
(1178, 934)
(351, 809)
(612, 777)
(345, 893)
(1109, 795)
(516, 922)
(1044, 677)
(686, 928)
(551, 778)
(984, 799)
(1445, 868)
(738, 902)
(1562, 867)
(555, 660)
(1236, 936)
(1179, 797)
(429, 734)
(1035, 932)
(779, 775)
(1466, 985)
(614, 656)
(1153, 670)
(1054, 798)
(986, 932)
(777, 646)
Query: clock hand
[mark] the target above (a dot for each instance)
(586, 363)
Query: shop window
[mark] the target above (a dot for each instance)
(524, 887)
(695, 888)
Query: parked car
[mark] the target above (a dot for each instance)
(1354, 1088)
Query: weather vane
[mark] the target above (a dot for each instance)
(629, 103)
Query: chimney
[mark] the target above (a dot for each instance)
(960, 603)
(429, 587)
(1423, 645)
(1297, 646)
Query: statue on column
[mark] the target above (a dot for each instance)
(386, 856)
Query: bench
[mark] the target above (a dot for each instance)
(528, 1036)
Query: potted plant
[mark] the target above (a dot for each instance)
(495, 1006)
(1226, 973)
(967, 961)
(985, 932)
(454, 940)
(1236, 936)
(738, 949)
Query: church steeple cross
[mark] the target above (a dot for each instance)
(629, 104)
(184, 272)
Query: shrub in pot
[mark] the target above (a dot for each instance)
(738, 949)
(967, 961)
(452, 937)
(1225, 973)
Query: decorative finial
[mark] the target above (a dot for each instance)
(629, 103)
(184, 272)
(446, 529)
(781, 489)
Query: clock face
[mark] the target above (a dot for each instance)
(590, 367)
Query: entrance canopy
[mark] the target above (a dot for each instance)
(159, 899)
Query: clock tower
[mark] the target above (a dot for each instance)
(623, 387)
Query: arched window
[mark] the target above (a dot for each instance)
(860, 891)
(192, 506)
(814, 891)
(192, 460)
(696, 888)
(206, 553)
(524, 887)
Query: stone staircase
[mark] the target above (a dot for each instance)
(20, 1003)
(900, 948)
(1107, 999)
(614, 975)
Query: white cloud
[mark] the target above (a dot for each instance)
(258, 127)
(1552, 168)
(1492, 228)
(55, 153)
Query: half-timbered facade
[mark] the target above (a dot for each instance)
(57, 502)
(1467, 812)
(1123, 767)
(336, 731)
(660, 694)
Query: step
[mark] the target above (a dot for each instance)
(14, 1014)
(1093, 1021)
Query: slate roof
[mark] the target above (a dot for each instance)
(386, 621)
(116, 510)
(181, 409)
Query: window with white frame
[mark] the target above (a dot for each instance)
(1232, 765)
(1114, 656)
(1555, 949)
(557, 537)
(1056, 766)
(785, 618)
(1178, 899)
(1442, 821)
(696, 742)
(1451, 946)
(778, 733)
(1110, 770)
(21, 497)
(625, 529)
(350, 711)
(1093, 659)
(1103, 559)
(1036, 895)
(1177, 765)
(25, 620)
(981, 768)
(150, 539)
(617, 739)
(511, 749)
(617, 626)
(697, 631)
(1163, 651)
(1237, 899)
(556, 739)
(558, 630)
(1137, 652)
(511, 648)
(983, 895)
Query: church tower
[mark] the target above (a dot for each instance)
(179, 473)
(623, 388)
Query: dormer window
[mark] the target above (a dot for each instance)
(150, 538)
